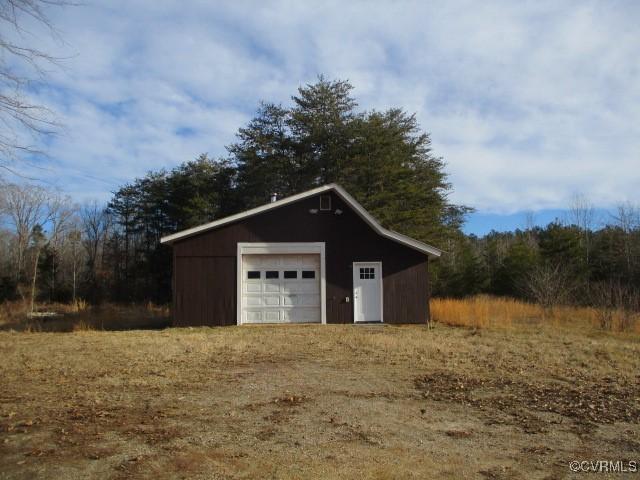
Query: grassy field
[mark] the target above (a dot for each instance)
(317, 402)
(483, 311)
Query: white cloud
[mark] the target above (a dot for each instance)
(527, 102)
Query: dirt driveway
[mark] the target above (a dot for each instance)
(316, 402)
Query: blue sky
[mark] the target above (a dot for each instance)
(481, 223)
(529, 103)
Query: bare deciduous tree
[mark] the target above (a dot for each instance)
(21, 120)
(627, 218)
(61, 211)
(74, 238)
(95, 225)
(33, 210)
(614, 299)
(38, 240)
(25, 206)
(549, 286)
(582, 214)
(7, 242)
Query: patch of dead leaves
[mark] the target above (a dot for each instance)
(585, 401)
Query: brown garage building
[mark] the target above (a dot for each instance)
(315, 257)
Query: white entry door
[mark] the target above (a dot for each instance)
(367, 291)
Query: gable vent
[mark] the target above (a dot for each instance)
(325, 202)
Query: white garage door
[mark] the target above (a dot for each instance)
(280, 288)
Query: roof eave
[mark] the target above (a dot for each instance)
(366, 216)
(242, 215)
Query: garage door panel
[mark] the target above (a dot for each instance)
(302, 315)
(272, 287)
(271, 300)
(253, 301)
(253, 287)
(308, 300)
(253, 316)
(291, 260)
(272, 316)
(301, 287)
(295, 298)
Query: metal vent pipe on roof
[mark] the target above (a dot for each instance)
(274, 197)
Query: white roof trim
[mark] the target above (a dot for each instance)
(359, 209)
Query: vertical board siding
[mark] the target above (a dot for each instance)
(205, 291)
(205, 264)
(406, 295)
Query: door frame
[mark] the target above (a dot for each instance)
(353, 290)
(281, 248)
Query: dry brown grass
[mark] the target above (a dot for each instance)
(316, 401)
(484, 311)
(11, 312)
(18, 309)
(79, 305)
(82, 316)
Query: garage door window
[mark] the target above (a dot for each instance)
(252, 274)
(272, 274)
(308, 274)
(290, 274)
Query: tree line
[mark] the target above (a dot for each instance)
(112, 252)
(54, 250)
(579, 259)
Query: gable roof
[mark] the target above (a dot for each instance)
(341, 192)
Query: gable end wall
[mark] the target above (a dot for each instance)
(205, 264)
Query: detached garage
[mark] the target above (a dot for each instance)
(315, 257)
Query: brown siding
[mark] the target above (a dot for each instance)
(400, 290)
(205, 265)
(205, 293)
